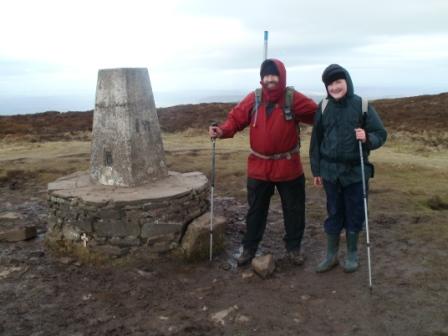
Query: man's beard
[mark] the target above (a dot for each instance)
(274, 85)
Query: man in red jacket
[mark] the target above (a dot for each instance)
(274, 160)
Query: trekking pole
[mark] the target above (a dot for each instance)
(366, 215)
(212, 190)
(265, 53)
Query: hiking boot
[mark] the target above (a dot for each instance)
(351, 261)
(331, 259)
(246, 257)
(296, 257)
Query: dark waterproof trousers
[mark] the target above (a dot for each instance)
(345, 207)
(292, 194)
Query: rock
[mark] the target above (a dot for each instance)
(305, 297)
(264, 266)
(10, 215)
(196, 240)
(299, 317)
(18, 234)
(247, 274)
(220, 316)
(145, 274)
(154, 230)
(125, 241)
(242, 319)
(4, 273)
(86, 297)
(66, 260)
(116, 227)
(161, 246)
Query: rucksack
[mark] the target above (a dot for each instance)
(287, 111)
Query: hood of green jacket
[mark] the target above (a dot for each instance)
(336, 68)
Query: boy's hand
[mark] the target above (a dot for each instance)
(214, 132)
(360, 134)
(317, 181)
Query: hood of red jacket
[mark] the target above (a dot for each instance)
(275, 94)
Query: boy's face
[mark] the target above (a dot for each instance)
(338, 89)
(271, 81)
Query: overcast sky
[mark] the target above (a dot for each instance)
(55, 48)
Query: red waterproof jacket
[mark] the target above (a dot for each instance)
(271, 134)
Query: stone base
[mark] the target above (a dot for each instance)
(153, 215)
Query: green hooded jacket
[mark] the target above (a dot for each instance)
(334, 150)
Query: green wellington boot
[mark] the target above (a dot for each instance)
(331, 259)
(351, 261)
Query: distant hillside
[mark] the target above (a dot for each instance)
(415, 114)
(46, 126)
(429, 112)
(182, 117)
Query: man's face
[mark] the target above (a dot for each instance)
(338, 89)
(271, 81)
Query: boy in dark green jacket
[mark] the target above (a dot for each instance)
(339, 124)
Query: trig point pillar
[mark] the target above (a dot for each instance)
(127, 148)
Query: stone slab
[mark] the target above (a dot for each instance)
(18, 234)
(80, 186)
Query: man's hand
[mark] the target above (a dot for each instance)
(214, 132)
(360, 134)
(317, 181)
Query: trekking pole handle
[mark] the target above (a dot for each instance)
(213, 124)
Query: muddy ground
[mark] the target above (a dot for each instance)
(46, 294)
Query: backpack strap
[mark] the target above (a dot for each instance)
(288, 112)
(364, 109)
(324, 104)
(365, 105)
(289, 97)
(254, 113)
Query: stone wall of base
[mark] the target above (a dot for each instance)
(156, 224)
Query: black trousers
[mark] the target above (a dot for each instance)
(292, 194)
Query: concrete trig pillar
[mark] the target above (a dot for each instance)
(127, 148)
